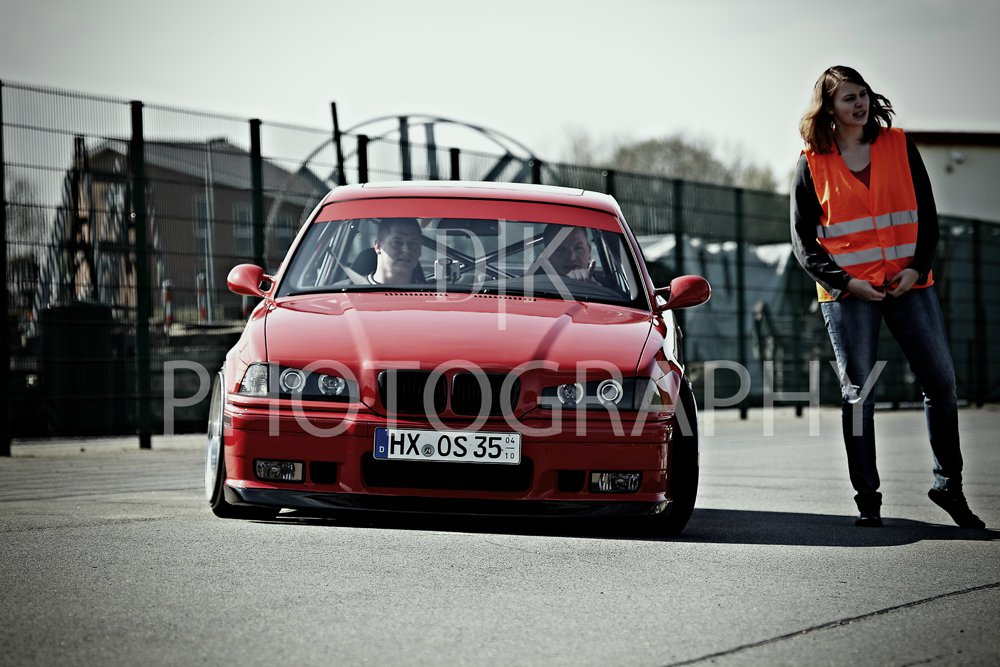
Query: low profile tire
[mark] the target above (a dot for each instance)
(683, 474)
(215, 466)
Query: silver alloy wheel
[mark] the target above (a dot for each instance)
(214, 448)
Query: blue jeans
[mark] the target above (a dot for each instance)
(916, 322)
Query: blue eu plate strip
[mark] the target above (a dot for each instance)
(381, 443)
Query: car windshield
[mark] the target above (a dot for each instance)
(491, 256)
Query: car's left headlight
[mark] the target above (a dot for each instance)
(621, 394)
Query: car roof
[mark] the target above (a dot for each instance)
(545, 194)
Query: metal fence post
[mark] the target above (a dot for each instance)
(362, 158)
(453, 155)
(341, 174)
(981, 362)
(800, 376)
(431, 145)
(741, 287)
(678, 216)
(5, 431)
(257, 194)
(536, 171)
(406, 166)
(609, 181)
(677, 213)
(137, 159)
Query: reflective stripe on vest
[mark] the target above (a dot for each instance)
(864, 224)
(870, 232)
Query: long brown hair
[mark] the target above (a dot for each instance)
(816, 126)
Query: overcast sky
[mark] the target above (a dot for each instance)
(737, 72)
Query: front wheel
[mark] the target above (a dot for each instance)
(682, 477)
(215, 465)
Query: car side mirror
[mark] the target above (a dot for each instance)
(246, 279)
(684, 292)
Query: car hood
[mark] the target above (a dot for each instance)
(424, 330)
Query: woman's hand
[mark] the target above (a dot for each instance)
(902, 282)
(864, 290)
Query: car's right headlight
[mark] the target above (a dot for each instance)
(274, 381)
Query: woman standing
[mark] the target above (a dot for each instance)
(865, 228)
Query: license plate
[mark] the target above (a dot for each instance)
(464, 446)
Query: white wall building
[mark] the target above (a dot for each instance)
(964, 168)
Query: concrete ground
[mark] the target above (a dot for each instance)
(110, 556)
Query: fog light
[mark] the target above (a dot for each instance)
(615, 482)
(278, 471)
(570, 394)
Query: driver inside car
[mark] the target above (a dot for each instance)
(397, 249)
(393, 259)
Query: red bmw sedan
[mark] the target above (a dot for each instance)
(465, 348)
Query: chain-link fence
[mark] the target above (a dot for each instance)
(122, 220)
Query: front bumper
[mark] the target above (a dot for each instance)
(353, 502)
(341, 474)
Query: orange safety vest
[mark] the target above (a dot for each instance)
(870, 232)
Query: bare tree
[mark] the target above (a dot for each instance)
(25, 219)
(674, 156)
(25, 245)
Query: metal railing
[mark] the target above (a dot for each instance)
(122, 219)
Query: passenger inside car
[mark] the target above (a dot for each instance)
(567, 249)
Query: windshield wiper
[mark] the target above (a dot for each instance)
(418, 288)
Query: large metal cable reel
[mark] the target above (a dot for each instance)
(513, 151)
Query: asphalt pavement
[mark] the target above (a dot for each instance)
(110, 556)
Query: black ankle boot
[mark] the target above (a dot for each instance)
(869, 517)
(869, 510)
(954, 503)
